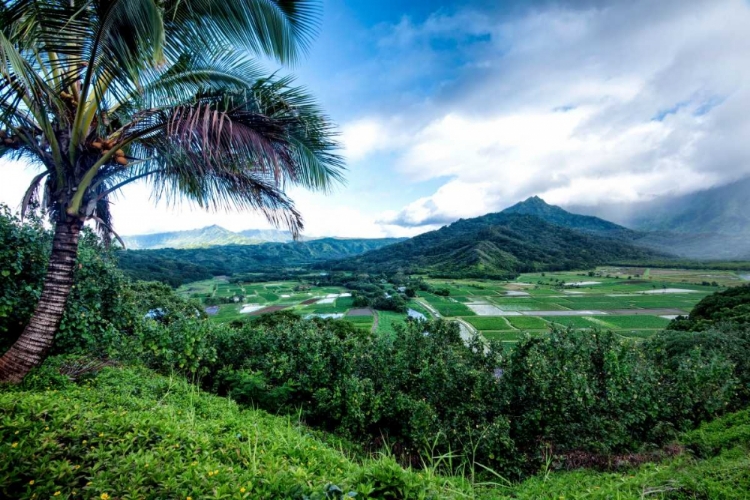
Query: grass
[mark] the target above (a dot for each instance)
(445, 306)
(228, 312)
(361, 322)
(488, 323)
(527, 322)
(132, 434)
(128, 433)
(503, 336)
(572, 321)
(387, 321)
(622, 322)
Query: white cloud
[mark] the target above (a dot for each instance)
(362, 137)
(578, 102)
(616, 103)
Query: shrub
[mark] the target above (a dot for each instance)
(413, 391)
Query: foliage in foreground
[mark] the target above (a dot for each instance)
(128, 433)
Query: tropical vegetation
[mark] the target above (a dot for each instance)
(469, 417)
(98, 94)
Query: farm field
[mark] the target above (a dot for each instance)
(241, 300)
(634, 302)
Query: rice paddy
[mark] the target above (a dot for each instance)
(634, 302)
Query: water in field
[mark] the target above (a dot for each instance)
(745, 277)
(248, 308)
(415, 314)
(326, 316)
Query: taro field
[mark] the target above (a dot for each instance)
(226, 301)
(633, 302)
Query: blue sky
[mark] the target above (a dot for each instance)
(456, 109)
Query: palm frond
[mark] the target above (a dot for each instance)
(275, 28)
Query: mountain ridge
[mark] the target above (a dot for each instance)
(502, 244)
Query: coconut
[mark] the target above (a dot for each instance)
(96, 144)
(121, 160)
(119, 152)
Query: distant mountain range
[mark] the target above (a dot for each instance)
(205, 237)
(529, 236)
(178, 266)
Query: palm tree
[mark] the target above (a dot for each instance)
(102, 93)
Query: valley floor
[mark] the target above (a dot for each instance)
(634, 302)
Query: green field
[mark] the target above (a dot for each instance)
(488, 323)
(527, 322)
(607, 298)
(446, 306)
(362, 322)
(571, 321)
(290, 296)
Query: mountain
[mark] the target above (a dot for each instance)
(520, 239)
(719, 210)
(177, 266)
(537, 207)
(193, 238)
(206, 237)
(708, 224)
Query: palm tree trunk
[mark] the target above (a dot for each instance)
(32, 346)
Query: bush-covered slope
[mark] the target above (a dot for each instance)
(716, 466)
(128, 433)
(132, 434)
(729, 306)
(498, 245)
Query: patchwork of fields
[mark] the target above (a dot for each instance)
(252, 299)
(633, 302)
(630, 301)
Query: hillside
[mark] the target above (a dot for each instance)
(708, 224)
(133, 434)
(177, 266)
(184, 443)
(205, 237)
(501, 244)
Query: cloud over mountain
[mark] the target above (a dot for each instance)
(581, 102)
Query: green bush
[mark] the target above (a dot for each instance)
(414, 390)
(730, 306)
(581, 390)
(594, 392)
